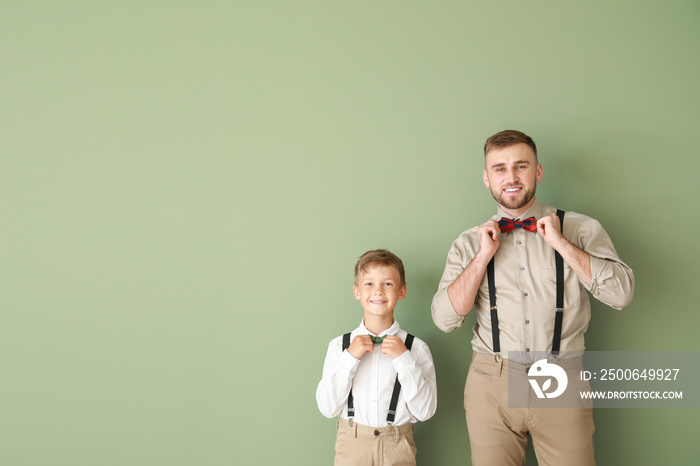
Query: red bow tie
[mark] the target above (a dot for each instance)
(506, 224)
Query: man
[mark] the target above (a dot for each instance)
(525, 313)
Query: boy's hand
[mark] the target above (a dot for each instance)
(393, 346)
(360, 345)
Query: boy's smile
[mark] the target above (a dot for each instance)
(378, 290)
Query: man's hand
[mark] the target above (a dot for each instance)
(488, 238)
(579, 261)
(393, 346)
(360, 345)
(549, 228)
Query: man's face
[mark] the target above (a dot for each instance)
(512, 174)
(379, 289)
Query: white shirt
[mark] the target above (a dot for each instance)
(372, 380)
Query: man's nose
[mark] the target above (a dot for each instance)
(511, 175)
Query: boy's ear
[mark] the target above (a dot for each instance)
(402, 292)
(355, 291)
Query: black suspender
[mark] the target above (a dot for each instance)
(494, 313)
(351, 406)
(559, 314)
(391, 413)
(397, 388)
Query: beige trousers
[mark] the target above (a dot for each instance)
(358, 445)
(498, 434)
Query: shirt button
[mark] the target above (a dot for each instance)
(520, 242)
(527, 350)
(524, 294)
(522, 268)
(527, 321)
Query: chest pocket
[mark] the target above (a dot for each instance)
(572, 287)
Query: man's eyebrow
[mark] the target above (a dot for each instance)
(517, 162)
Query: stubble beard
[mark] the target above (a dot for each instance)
(517, 203)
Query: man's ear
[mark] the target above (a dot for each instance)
(539, 172)
(486, 179)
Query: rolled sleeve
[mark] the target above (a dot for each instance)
(612, 281)
(461, 254)
(444, 314)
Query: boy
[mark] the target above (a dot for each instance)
(358, 382)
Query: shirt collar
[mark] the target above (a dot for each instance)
(393, 330)
(535, 210)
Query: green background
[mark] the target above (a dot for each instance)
(186, 186)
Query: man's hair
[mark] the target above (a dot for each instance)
(507, 138)
(380, 257)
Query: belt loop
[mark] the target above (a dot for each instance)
(353, 427)
(396, 434)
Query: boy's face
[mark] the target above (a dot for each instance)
(379, 289)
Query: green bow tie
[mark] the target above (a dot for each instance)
(377, 340)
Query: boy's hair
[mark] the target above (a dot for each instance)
(380, 257)
(507, 138)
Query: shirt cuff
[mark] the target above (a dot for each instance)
(597, 274)
(444, 314)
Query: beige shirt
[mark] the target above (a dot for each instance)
(525, 281)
